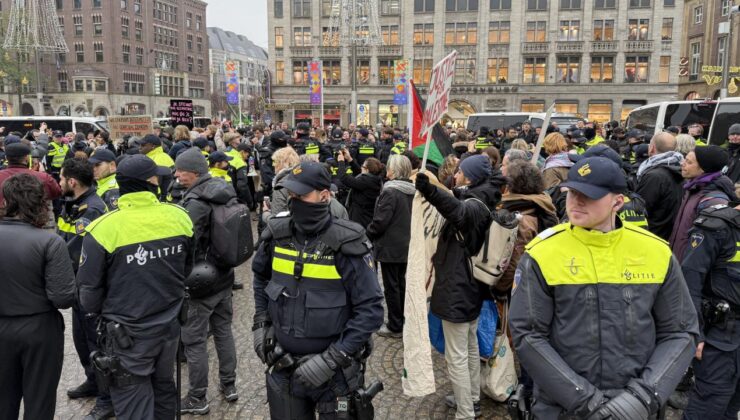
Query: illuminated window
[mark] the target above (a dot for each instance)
(498, 32)
(568, 69)
(535, 70)
(636, 69)
(602, 69)
(638, 29)
(599, 111)
(666, 31)
(665, 69)
(536, 31)
(569, 30)
(603, 30)
(498, 70)
(423, 34)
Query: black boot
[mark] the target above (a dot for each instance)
(86, 389)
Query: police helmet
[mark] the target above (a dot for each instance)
(202, 277)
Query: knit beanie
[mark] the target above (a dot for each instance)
(192, 160)
(476, 168)
(711, 158)
(734, 129)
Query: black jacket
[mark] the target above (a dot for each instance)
(662, 189)
(390, 229)
(35, 272)
(457, 296)
(267, 171)
(76, 215)
(365, 189)
(733, 167)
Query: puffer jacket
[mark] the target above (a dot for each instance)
(390, 229)
(456, 295)
(578, 333)
(699, 193)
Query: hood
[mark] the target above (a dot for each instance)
(213, 190)
(280, 176)
(515, 202)
(497, 179)
(403, 185)
(487, 192)
(670, 160)
(558, 160)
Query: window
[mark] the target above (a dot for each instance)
(278, 9)
(188, 19)
(191, 64)
(461, 5)
(605, 4)
(639, 3)
(301, 8)
(602, 69)
(137, 7)
(698, 14)
(603, 30)
(566, 107)
(302, 36)
(533, 106)
(536, 31)
(200, 65)
(363, 72)
(536, 4)
(390, 7)
(126, 49)
(569, 30)
(599, 111)
(97, 25)
(461, 33)
(725, 8)
(97, 4)
(59, 3)
(695, 50)
(570, 4)
(329, 39)
(198, 22)
(423, 71)
(424, 34)
(101, 86)
(665, 69)
(390, 34)
(139, 25)
(669, 2)
(79, 86)
(62, 58)
(171, 86)
(280, 72)
(124, 4)
(278, 37)
(638, 29)
(636, 69)
(77, 4)
(139, 56)
(498, 32)
(61, 26)
(385, 72)
(465, 71)
(498, 70)
(535, 70)
(189, 42)
(133, 83)
(63, 81)
(98, 46)
(500, 4)
(666, 31)
(124, 26)
(423, 6)
(569, 69)
(721, 48)
(77, 20)
(80, 52)
(199, 44)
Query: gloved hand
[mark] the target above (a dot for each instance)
(423, 185)
(317, 370)
(263, 336)
(625, 406)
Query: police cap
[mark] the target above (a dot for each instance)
(141, 167)
(102, 155)
(307, 177)
(600, 150)
(595, 177)
(219, 156)
(151, 139)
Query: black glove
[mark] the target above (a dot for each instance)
(625, 406)
(317, 370)
(423, 184)
(263, 336)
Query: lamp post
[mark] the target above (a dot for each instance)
(728, 54)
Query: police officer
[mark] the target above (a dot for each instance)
(104, 162)
(151, 146)
(697, 132)
(364, 148)
(133, 266)
(305, 145)
(484, 139)
(218, 166)
(81, 207)
(277, 140)
(712, 270)
(57, 154)
(317, 302)
(595, 312)
(238, 169)
(399, 145)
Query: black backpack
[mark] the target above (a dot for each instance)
(231, 234)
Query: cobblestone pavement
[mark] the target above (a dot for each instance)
(386, 364)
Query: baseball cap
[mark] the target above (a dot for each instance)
(600, 150)
(303, 127)
(244, 147)
(219, 157)
(140, 167)
(337, 133)
(58, 133)
(307, 177)
(595, 177)
(102, 155)
(151, 139)
(364, 132)
(201, 142)
(14, 150)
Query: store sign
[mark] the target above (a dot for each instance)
(400, 82)
(120, 126)
(712, 75)
(232, 82)
(443, 74)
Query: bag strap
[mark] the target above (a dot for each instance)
(504, 329)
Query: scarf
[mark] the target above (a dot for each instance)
(663, 159)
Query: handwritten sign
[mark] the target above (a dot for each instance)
(131, 125)
(443, 74)
(181, 112)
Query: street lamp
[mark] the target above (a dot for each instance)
(728, 54)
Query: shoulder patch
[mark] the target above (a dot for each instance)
(696, 239)
(81, 224)
(369, 261)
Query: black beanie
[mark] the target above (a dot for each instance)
(711, 158)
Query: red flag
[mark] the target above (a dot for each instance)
(417, 114)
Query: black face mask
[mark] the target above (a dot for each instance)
(309, 218)
(128, 185)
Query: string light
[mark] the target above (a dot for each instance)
(34, 26)
(354, 22)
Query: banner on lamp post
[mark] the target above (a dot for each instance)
(400, 82)
(232, 82)
(315, 83)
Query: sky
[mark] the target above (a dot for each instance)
(243, 17)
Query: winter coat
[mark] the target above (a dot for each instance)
(456, 295)
(364, 191)
(556, 169)
(733, 167)
(699, 193)
(51, 187)
(537, 214)
(661, 187)
(390, 229)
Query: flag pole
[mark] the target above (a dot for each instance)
(543, 133)
(426, 151)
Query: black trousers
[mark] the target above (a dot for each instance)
(394, 285)
(716, 394)
(86, 341)
(31, 355)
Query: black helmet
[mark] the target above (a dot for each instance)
(203, 276)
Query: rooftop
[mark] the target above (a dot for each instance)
(218, 39)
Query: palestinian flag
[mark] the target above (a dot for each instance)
(440, 146)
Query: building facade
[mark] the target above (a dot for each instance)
(706, 49)
(126, 57)
(253, 75)
(600, 58)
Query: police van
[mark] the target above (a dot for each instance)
(656, 117)
(503, 120)
(726, 114)
(76, 125)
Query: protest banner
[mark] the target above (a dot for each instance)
(181, 112)
(129, 125)
(443, 73)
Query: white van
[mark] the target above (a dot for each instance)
(726, 114)
(76, 125)
(654, 118)
(503, 120)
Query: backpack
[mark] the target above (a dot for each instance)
(231, 233)
(493, 258)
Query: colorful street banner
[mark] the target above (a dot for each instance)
(314, 82)
(232, 82)
(400, 82)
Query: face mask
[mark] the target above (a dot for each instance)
(309, 217)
